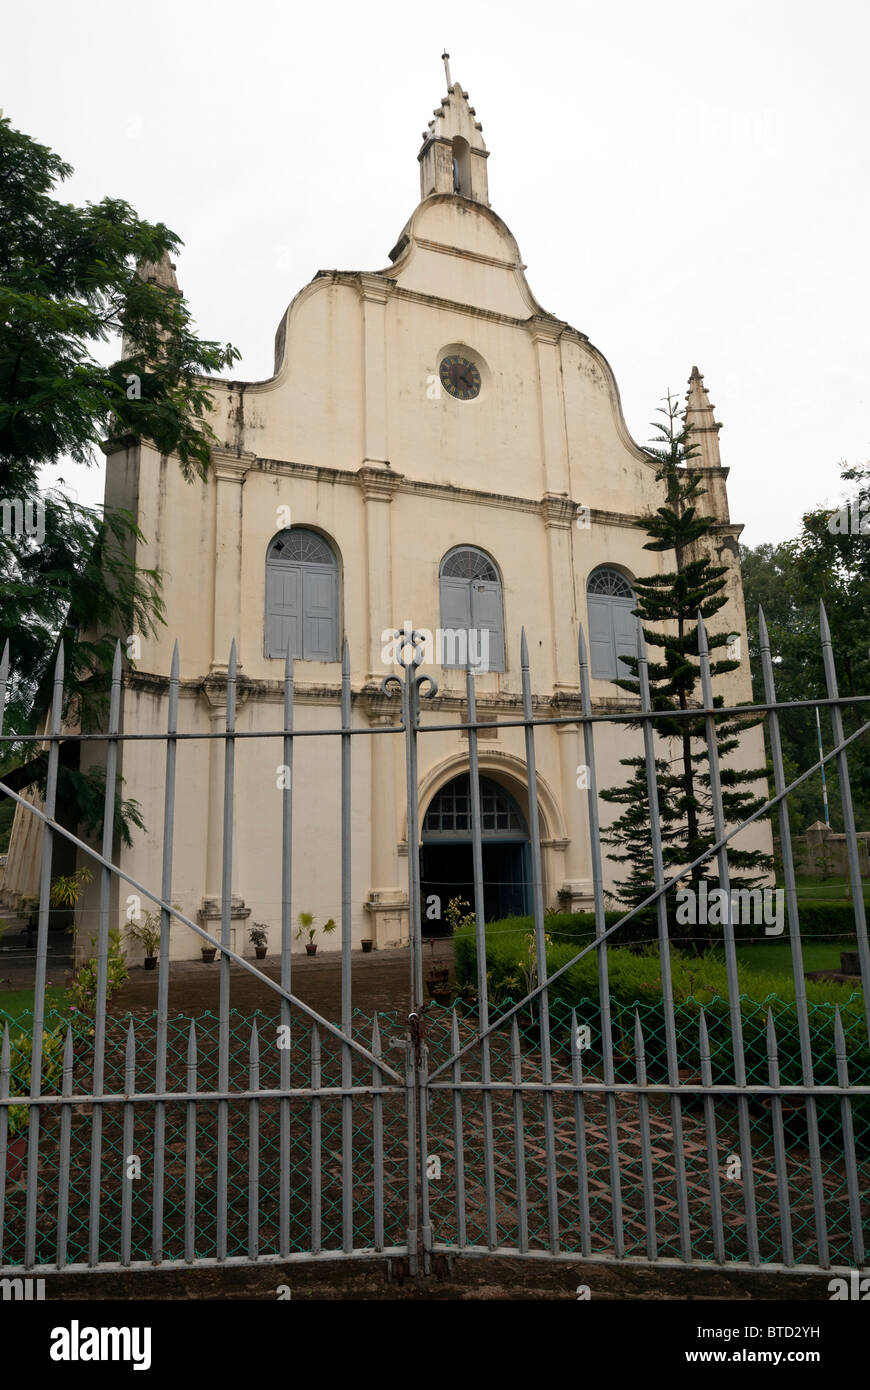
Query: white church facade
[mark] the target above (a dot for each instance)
(434, 448)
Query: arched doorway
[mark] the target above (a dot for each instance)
(446, 867)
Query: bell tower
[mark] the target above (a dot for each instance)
(453, 157)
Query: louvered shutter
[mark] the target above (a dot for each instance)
(487, 616)
(455, 617)
(320, 614)
(624, 632)
(283, 610)
(602, 651)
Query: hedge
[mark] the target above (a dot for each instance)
(699, 982)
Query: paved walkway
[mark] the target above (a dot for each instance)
(379, 981)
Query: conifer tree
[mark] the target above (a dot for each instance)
(667, 608)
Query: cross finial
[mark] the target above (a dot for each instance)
(445, 58)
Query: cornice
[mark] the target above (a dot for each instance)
(443, 248)
(230, 465)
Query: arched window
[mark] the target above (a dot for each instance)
(472, 618)
(301, 596)
(461, 167)
(612, 625)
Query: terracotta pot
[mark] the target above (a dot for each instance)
(311, 948)
(437, 983)
(260, 952)
(367, 946)
(150, 963)
(208, 953)
(16, 1157)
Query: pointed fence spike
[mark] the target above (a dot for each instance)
(703, 1037)
(191, 1045)
(839, 1036)
(772, 1050)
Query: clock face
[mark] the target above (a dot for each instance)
(460, 378)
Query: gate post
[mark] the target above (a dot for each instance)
(410, 691)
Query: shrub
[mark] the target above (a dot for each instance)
(699, 982)
(21, 1052)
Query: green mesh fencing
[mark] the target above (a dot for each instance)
(590, 1173)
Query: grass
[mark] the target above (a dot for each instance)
(774, 957)
(16, 1002)
(831, 890)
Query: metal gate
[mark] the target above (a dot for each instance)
(727, 1132)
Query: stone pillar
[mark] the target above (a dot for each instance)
(230, 470)
(378, 484)
(374, 290)
(387, 902)
(558, 515)
(575, 891)
(214, 690)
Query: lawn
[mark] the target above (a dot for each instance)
(774, 957)
(15, 1002)
(831, 890)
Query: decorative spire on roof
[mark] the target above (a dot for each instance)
(453, 157)
(705, 429)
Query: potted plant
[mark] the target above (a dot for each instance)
(437, 978)
(307, 928)
(64, 895)
(259, 937)
(146, 932)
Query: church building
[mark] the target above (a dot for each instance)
(434, 449)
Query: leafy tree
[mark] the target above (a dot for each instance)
(672, 602)
(828, 560)
(72, 279)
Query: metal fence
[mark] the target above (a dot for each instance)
(573, 1123)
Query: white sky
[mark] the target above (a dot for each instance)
(688, 182)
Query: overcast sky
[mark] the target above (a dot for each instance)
(688, 182)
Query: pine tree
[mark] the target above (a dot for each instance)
(675, 599)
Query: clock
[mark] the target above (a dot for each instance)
(459, 377)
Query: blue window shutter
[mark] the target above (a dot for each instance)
(625, 632)
(283, 593)
(320, 614)
(602, 648)
(487, 614)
